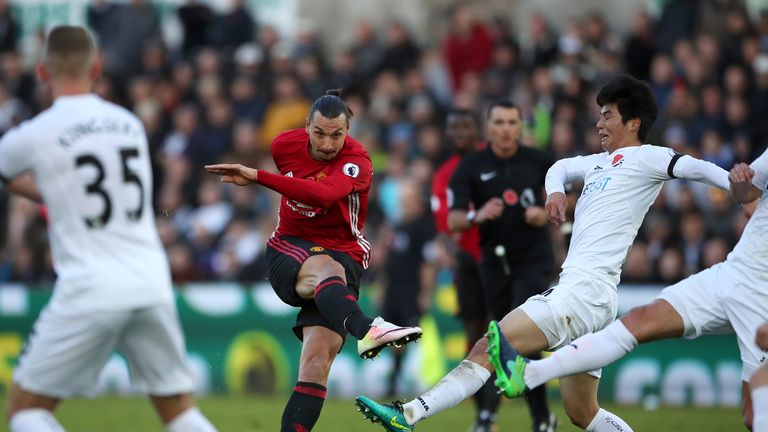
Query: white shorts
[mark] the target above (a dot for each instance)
(579, 304)
(65, 352)
(718, 300)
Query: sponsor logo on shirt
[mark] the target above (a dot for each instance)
(596, 186)
(597, 167)
(303, 209)
(617, 160)
(316, 249)
(351, 169)
(487, 176)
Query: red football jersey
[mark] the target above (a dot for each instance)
(324, 202)
(469, 241)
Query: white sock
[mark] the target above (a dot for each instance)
(589, 352)
(760, 409)
(606, 421)
(462, 382)
(191, 420)
(34, 420)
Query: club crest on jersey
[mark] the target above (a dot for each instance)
(351, 170)
(617, 160)
(510, 197)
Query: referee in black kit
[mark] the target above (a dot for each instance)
(505, 181)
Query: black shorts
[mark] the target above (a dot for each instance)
(469, 288)
(285, 255)
(504, 291)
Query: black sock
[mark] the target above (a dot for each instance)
(489, 401)
(337, 304)
(537, 399)
(303, 408)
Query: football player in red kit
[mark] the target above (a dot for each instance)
(318, 252)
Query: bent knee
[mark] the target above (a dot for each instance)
(477, 354)
(316, 365)
(581, 414)
(314, 270)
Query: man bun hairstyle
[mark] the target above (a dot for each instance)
(331, 105)
(634, 100)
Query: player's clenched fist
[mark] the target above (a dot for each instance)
(237, 174)
(555, 208)
(490, 210)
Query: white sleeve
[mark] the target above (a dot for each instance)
(16, 154)
(760, 165)
(690, 168)
(566, 171)
(661, 163)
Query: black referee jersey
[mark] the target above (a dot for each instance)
(519, 182)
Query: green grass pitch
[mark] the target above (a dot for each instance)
(246, 414)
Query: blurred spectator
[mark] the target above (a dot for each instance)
(9, 28)
(235, 27)
(639, 48)
(124, 31)
(400, 51)
(467, 45)
(692, 238)
(366, 49)
(12, 109)
(196, 20)
(677, 21)
(541, 44)
(288, 109)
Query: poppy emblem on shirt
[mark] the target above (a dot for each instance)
(510, 197)
(351, 170)
(617, 160)
(316, 249)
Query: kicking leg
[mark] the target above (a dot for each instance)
(658, 320)
(465, 380)
(579, 394)
(323, 279)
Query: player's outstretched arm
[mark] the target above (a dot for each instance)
(690, 168)
(237, 174)
(740, 179)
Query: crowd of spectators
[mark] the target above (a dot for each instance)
(234, 83)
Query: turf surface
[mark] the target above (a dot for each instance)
(248, 414)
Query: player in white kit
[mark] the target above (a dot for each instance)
(620, 186)
(90, 160)
(728, 297)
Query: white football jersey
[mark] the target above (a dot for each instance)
(750, 256)
(90, 160)
(619, 188)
